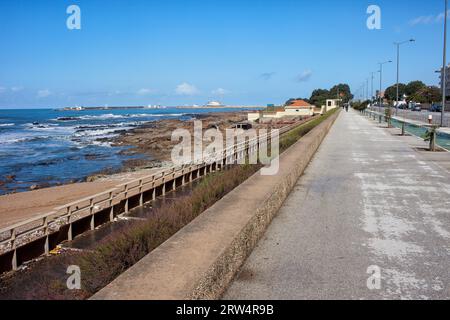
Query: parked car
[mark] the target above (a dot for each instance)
(413, 106)
(401, 105)
(436, 108)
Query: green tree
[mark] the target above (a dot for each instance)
(360, 105)
(391, 92)
(319, 97)
(427, 95)
(344, 92)
(414, 87)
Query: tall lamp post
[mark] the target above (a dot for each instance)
(381, 80)
(444, 71)
(398, 44)
(371, 92)
(367, 90)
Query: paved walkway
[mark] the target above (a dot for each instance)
(368, 199)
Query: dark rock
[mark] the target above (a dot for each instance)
(68, 119)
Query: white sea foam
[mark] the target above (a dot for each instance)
(17, 137)
(117, 116)
(103, 116)
(99, 132)
(168, 115)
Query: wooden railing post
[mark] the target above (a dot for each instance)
(13, 245)
(46, 232)
(126, 198)
(111, 210)
(69, 222)
(141, 194)
(91, 212)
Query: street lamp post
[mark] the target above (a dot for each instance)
(371, 92)
(381, 82)
(367, 91)
(398, 44)
(444, 71)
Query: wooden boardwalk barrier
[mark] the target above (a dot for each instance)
(32, 238)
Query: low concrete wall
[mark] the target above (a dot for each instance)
(201, 259)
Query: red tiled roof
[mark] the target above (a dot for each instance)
(298, 104)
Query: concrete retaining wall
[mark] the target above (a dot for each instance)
(201, 259)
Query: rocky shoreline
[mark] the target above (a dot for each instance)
(149, 142)
(153, 140)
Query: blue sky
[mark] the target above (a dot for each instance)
(174, 52)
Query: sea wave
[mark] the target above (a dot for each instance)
(31, 126)
(166, 115)
(117, 116)
(109, 125)
(86, 134)
(99, 132)
(52, 129)
(7, 139)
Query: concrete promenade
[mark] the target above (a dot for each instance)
(369, 198)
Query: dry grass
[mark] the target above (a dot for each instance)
(123, 248)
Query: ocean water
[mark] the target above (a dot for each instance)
(48, 147)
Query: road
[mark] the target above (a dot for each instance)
(369, 207)
(421, 117)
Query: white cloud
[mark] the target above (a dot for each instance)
(44, 93)
(16, 89)
(220, 92)
(304, 76)
(186, 89)
(429, 19)
(145, 91)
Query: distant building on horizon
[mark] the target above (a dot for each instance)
(214, 104)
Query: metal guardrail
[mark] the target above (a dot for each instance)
(418, 116)
(442, 142)
(376, 114)
(41, 226)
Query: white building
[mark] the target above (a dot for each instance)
(332, 104)
(297, 108)
(214, 104)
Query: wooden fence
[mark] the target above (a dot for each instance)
(29, 239)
